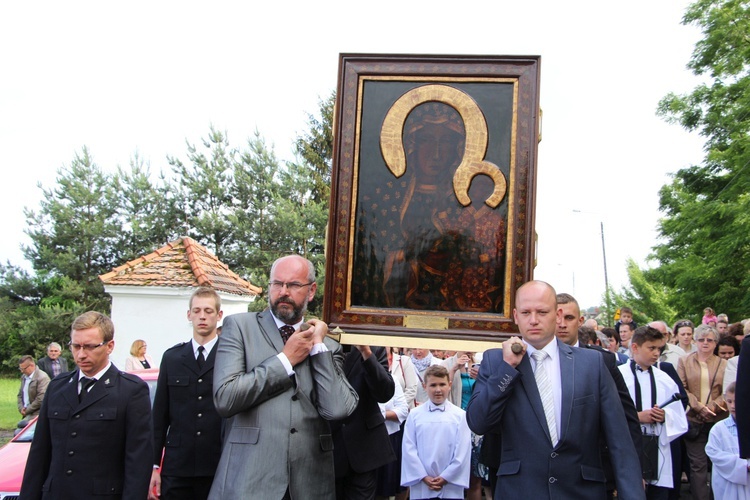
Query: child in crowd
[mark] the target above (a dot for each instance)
(709, 317)
(730, 477)
(436, 451)
(650, 387)
(626, 317)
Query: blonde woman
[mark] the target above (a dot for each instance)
(138, 359)
(702, 374)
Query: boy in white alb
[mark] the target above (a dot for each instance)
(730, 476)
(436, 450)
(650, 387)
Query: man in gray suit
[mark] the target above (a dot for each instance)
(552, 414)
(279, 385)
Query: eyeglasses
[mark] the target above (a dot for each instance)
(292, 287)
(680, 324)
(705, 339)
(85, 347)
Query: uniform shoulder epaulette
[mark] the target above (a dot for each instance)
(179, 344)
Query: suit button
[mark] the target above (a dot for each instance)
(73, 434)
(552, 480)
(69, 472)
(200, 398)
(293, 430)
(200, 415)
(553, 455)
(77, 416)
(71, 453)
(294, 398)
(177, 381)
(200, 380)
(55, 413)
(198, 433)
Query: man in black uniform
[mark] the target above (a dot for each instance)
(187, 428)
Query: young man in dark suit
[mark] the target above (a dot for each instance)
(93, 437)
(187, 428)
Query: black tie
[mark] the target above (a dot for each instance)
(86, 384)
(286, 331)
(201, 357)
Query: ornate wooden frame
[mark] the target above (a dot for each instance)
(497, 99)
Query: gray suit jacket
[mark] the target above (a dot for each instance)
(278, 435)
(506, 400)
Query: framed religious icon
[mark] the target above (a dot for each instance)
(431, 225)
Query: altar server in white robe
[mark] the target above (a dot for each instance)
(730, 477)
(436, 452)
(650, 387)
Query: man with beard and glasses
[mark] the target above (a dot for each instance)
(281, 381)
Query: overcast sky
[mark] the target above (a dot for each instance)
(145, 77)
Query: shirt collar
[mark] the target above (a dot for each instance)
(280, 323)
(206, 347)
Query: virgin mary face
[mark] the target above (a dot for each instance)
(436, 151)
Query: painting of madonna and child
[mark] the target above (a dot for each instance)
(431, 225)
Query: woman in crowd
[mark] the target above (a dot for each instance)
(138, 359)
(727, 347)
(702, 374)
(684, 333)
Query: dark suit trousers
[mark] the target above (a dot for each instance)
(184, 488)
(357, 486)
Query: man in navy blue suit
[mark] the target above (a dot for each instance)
(551, 404)
(742, 395)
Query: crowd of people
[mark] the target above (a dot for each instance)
(274, 408)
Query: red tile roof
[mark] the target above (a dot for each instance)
(181, 263)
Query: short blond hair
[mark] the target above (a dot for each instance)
(93, 319)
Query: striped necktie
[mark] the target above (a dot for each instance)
(544, 385)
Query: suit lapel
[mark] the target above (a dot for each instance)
(567, 381)
(70, 391)
(532, 392)
(270, 330)
(100, 389)
(188, 357)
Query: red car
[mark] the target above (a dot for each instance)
(14, 454)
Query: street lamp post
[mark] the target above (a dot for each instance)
(606, 277)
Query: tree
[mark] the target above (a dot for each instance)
(150, 213)
(648, 299)
(205, 198)
(315, 147)
(704, 256)
(75, 231)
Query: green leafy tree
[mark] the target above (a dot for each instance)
(648, 299)
(34, 311)
(704, 256)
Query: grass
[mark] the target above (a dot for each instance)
(9, 415)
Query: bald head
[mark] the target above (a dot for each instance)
(659, 325)
(536, 312)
